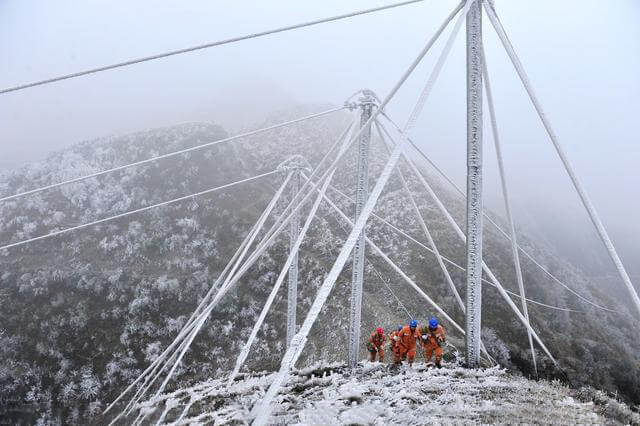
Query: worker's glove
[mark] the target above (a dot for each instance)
(396, 338)
(424, 337)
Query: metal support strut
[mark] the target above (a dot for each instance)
(366, 104)
(474, 185)
(292, 289)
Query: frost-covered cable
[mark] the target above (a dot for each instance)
(373, 267)
(262, 411)
(152, 368)
(232, 278)
(386, 284)
(386, 258)
(425, 229)
(507, 202)
(446, 259)
(205, 46)
(268, 239)
(170, 154)
(586, 201)
(285, 270)
(463, 237)
(235, 261)
(405, 276)
(495, 225)
(142, 209)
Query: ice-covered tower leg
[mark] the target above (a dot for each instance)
(367, 102)
(474, 184)
(292, 289)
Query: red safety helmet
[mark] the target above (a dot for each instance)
(380, 330)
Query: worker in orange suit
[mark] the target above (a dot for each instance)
(406, 344)
(432, 338)
(393, 339)
(376, 345)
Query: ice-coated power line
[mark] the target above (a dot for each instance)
(170, 154)
(292, 255)
(140, 210)
(492, 222)
(463, 237)
(449, 261)
(507, 201)
(586, 201)
(412, 283)
(268, 239)
(262, 412)
(229, 270)
(239, 253)
(204, 46)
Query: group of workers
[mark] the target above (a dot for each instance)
(405, 339)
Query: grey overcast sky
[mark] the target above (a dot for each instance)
(583, 57)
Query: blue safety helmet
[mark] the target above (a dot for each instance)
(413, 324)
(433, 323)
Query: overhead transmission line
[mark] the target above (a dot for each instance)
(582, 193)
(444, 258)
(262, 410)
(171, 154)
(491, 221)
(204, 46)
(140, 210)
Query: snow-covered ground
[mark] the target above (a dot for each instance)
(374, 394)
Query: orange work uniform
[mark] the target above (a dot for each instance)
(406, 345)
(376, 346)
(431, 341)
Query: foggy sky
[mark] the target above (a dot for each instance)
(583, 57)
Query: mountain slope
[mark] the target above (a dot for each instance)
(372, 394)
(84, 313)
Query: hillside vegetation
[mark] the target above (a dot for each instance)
(82, 314)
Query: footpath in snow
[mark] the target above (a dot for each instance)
(374, 394)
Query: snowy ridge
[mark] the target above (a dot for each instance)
(373, 394)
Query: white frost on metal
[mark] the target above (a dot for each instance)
(474, 185)
(292, 289)
(586, 201)
(425, 229)
(497, 227)
(263, 410)
(485, 268)
(362, 188)
(292, 255)
(507, 204)
(151, 370)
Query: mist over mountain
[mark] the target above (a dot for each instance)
(83, 314)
